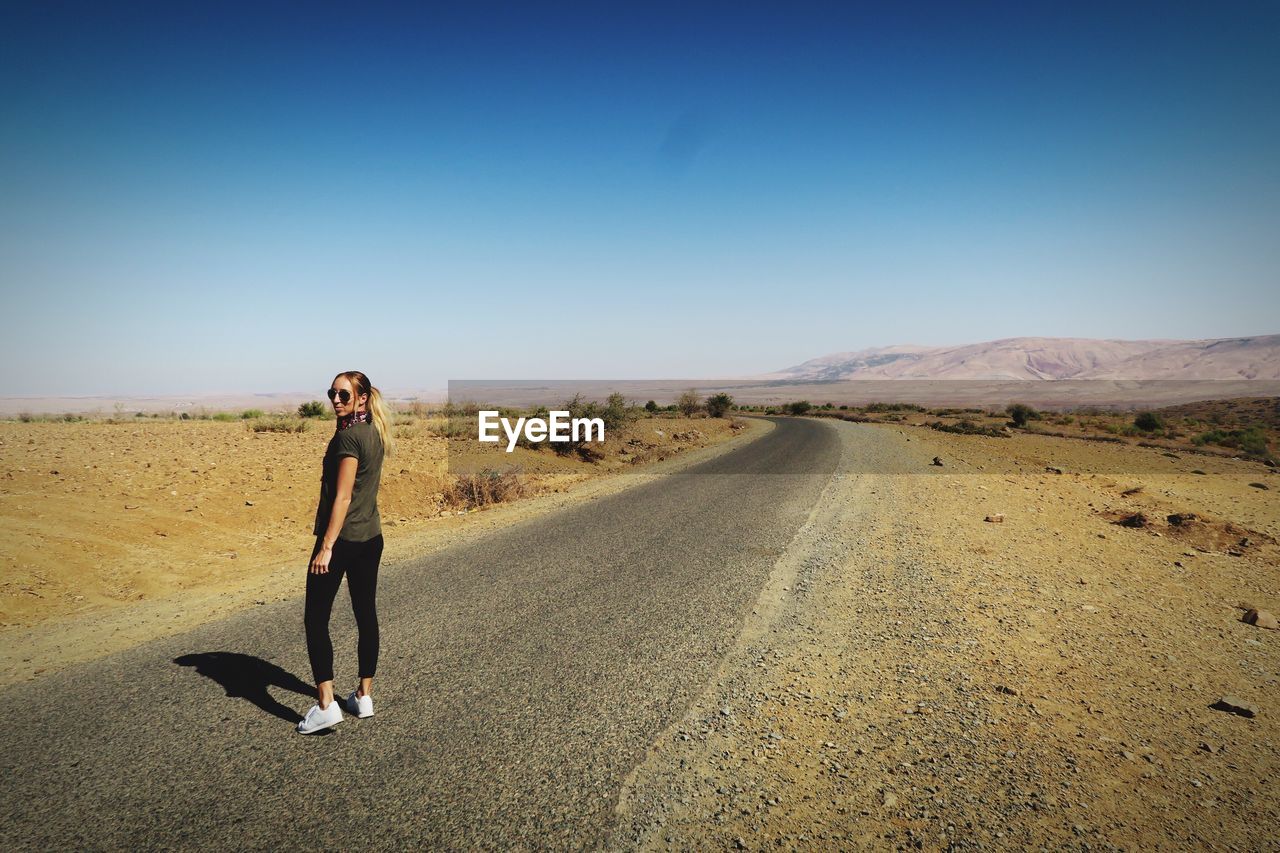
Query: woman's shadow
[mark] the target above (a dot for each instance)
(248, 677)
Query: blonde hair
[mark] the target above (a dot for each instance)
(377, 407)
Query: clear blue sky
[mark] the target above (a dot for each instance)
(205, 197)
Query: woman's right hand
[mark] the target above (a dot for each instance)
(320, 562)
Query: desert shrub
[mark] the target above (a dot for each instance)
(223, 416)
(464, 409)
(894, 407)
(311, 409)
(577, 407)
(249, 414)
(1252, 440)
(1021, 414)
(278, 424)
(799, 407)
(967, 427)
(1213, 436)
(689, 403)
(615, 413)
(718, 404)
(458, 426)
(1148, 422)
(487, 486)
(651, 407)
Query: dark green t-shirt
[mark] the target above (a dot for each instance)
(362, 441)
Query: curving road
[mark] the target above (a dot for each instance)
(522, 677)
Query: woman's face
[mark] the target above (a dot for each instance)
(340, 408)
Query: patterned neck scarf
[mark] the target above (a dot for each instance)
(354, 418)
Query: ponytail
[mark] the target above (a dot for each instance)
(381, 421)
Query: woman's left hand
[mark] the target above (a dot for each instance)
(320, 563)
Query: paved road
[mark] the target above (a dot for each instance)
(522, 677)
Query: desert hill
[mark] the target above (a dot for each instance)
(1255, 357)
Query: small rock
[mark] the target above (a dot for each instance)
(889, 799)
(937, 460)
(248, 503)
(1233, 705)
(1261, 619)
(996, 518)
(1135, 520)
(1262, 486)
(1052, 469)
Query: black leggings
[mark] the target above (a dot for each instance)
(359, 560)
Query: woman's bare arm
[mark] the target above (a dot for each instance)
(341, 503)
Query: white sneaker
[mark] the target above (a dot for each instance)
(360, 706)
(318, 719)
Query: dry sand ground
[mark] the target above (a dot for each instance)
(111, 534)
(915, 676)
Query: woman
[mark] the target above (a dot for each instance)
(348, 533)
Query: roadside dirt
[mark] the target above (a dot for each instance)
(113, 534)
(916, 677)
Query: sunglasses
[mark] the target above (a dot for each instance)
(344, 395)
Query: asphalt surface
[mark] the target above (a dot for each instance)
(522, 677)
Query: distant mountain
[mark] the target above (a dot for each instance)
(1053, 358)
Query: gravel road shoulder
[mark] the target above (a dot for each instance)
(916, 676)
